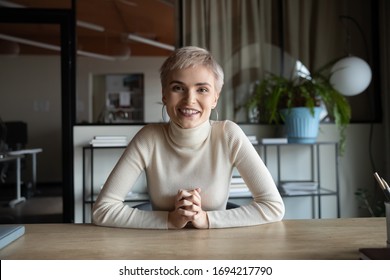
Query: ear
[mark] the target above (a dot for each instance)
(164, 99)
(216, 100)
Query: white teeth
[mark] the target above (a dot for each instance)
(189, 111)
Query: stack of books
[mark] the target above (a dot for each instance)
(280, 140)
(238, 186)
(253, 139)
(296, 188)
(109, 141)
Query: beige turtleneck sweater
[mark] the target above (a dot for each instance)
(174, 158)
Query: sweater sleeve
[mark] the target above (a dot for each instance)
(267, 205)
(109, 208)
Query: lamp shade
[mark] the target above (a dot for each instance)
(350, 75)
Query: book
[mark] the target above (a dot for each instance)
(110, 137)
(298, 188)
(109, 144)
(297, 192)
(238, 186)
(374, 253)
(109, 141)
(237, 180)
(281, 140)
(241, 189)
(9, 233)
(253, 139)
(309, 185)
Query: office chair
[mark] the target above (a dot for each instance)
(13, 138)
(16, 135)
(3, 150)
(147, 206)
(3, 136)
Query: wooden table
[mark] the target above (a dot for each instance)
(289, 239)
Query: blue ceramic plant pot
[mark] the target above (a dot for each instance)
(301, 126)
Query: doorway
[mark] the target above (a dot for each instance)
(40, 90)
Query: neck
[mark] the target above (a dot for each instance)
(188, 137)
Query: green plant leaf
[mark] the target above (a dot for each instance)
(276, 92)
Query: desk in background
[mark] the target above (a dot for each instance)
(289, 239)
(33, 154)
(17, 158)
(17, 155)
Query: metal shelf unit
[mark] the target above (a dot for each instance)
(315, 165)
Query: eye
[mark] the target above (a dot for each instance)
(203, 90)
(177, 88)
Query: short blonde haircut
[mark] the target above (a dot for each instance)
(191, 56)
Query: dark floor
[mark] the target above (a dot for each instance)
(41, 206)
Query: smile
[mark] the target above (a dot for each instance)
(189, 112)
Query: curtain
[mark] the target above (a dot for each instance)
(313, 32)
(236, 33)
(252, 37)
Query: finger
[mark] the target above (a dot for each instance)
(195, 198)
(186, 198)
(183, 194)
(186, 213)
(193, 208)
(200, 220)
(198, 190)
(176, 220)
(183, 203)
(190, 205)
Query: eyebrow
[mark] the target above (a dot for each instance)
(197, 84)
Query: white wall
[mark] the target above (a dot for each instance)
(355, 170)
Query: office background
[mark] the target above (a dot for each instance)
(31, 92)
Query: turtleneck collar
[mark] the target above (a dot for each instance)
(188, 137)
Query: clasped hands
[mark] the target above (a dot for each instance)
(188, 209)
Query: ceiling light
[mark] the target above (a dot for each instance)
(96, 55)
(90, 26)
(126, 2)
(100, 28)
(150, 42)
(132, 37)
(9, 4)
(53, 47)
(30, 42)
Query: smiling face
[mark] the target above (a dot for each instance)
(190, 95)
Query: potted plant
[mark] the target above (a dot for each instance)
(277, 98)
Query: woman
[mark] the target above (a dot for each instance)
(189, 161)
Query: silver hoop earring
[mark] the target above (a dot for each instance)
(164, 114)
(216, 113)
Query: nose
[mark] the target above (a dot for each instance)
(190, 96)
